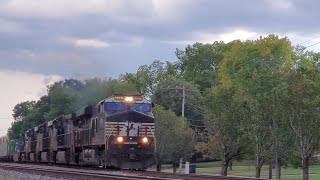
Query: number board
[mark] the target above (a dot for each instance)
(122, 97)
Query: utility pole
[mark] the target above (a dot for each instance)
(183, 100)
(182, 113)
(183, 96)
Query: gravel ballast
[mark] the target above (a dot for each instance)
(14, 175)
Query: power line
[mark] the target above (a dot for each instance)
(185, 99)
(183, 96)
(190, 105)
(195, 109)
(310, 39)
(313, 44)
(197, 126)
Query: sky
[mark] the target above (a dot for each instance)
(45, 41)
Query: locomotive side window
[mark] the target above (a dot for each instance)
(93, 125)
(97, 124)
(100, 108)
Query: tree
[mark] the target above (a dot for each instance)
(63, 100)
(174, 139)
(303, 107)
(14, 132)
(147, 77)
(199, 63)
(168, 94)
(27, 115)
(224, 122)
(73, 84)
(118, 87)
(257, 69)
(21, 110)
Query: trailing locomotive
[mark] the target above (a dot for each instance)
(118, 132)
(7, 149)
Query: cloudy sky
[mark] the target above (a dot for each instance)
(48, 40)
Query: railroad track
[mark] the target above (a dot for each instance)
(70, 173)
(85, 173)
(201, 177)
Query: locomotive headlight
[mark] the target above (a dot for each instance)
(120, 139)
(145, 140)
(128, 99)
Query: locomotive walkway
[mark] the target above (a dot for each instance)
(86, 173)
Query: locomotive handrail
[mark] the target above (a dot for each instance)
(74, 131)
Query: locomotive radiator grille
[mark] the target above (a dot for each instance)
(120, 129)
(114, 128)
(146, 129)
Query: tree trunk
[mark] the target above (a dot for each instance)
(278, 168)
(230, 165)
(305, 168)
(259, 164)
(224, 167)
(258, 171)
(158, 167)
(270, 169)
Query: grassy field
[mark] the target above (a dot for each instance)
(248, 169)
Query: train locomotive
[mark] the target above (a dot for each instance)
(7, 149)
(117, 132)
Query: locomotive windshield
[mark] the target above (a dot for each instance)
(120, 106)
(144, 107)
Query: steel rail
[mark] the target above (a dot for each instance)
(85, 173)
(73, 173)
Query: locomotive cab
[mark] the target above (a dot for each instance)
(129, 131)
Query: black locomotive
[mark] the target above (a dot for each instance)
(118, 132)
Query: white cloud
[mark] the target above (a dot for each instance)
(18, 87)
(171, 11)
(311, 41)
(307, 40)
(178, 42)
(119, 39)
(281, 5)
(25, 53)
(144, 12)
(55, 8)
(226, 37)
(91, 43)
(135, 41)
(207, 37)
(9, 26)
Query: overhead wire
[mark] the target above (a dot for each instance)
(191, 106)
(195, 109)
(313, 44)
(310, 39)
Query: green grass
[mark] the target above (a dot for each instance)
(247, 168)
